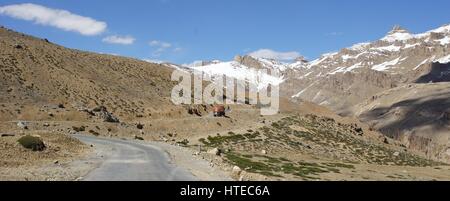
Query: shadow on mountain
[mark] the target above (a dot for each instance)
(412, 114)
(439, 73)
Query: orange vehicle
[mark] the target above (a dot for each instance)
(219, 110)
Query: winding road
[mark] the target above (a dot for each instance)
(133, 161)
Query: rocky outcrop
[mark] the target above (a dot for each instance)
(102, 113)
(248, 61)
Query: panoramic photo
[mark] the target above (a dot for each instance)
(231, 91)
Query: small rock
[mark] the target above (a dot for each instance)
(22, 125)
(215, 151)
(264, 152)
(138, 137)
(56, 162)
(140, 126)
(46, 125)
(396, 153)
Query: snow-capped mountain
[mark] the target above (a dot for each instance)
(258, 71)
(387, 54)
(341, 79)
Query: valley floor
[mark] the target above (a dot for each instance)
(282, 147)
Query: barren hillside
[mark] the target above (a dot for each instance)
(34, 72)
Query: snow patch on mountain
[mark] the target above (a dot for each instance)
(303, 91)
(397, 37)
(390, 48)
(346, 69)
(360, 46)
(386, 65)
(444, 41)
(423, 62)
(443, 60)
(238, 71)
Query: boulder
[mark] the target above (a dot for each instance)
(236, 172)
(103, 113)
(359, 130)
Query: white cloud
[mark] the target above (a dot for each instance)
(122, 40)
(335, 34)
(61, 19)
(156, 61)
(161, 47)
(271, 54)
(160, 44)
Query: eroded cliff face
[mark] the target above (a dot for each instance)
(432, 147)
(416, 114)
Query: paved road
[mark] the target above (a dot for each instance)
(133, 161)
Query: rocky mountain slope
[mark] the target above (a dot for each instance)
(418, 115)
(339, 80)
(351, 80)
(35, 73)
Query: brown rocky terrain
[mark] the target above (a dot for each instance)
(415, 114)
(35, 72)
(20, 163)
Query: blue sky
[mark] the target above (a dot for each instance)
(182, 31)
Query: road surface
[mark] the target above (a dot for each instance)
(133, 161)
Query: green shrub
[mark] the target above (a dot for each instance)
(32, 142)
(79, 129)
(184, 142)
(94, 133)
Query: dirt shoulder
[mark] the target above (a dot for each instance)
(198, 165)
(53, 163)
